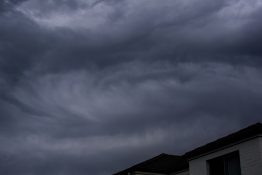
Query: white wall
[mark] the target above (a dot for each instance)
(260, 147)
(250, 158)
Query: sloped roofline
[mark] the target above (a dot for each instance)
(242, 135)
(139, 166)
(245, 134)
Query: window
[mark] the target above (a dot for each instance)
(228, 164)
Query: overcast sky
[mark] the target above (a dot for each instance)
(90, 87)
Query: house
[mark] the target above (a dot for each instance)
(239, 153)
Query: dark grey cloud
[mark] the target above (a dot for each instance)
(6, 5)
(90, 87)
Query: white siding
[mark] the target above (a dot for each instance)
(260, 147)
(250, 158)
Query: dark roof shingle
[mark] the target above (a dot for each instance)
(162, 163)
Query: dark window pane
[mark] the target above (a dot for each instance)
(216, 167)
(225, 165)
(233, 165)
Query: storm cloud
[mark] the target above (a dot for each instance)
(93, 86)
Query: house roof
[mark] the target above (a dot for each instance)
(241, 135)
(165, 164)
(162, 164)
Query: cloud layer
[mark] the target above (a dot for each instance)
(90, 87)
